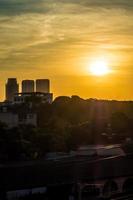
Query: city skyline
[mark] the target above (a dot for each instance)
(61, 39)
(26, 87)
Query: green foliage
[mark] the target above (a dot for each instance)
(66, 124)
(120, 122)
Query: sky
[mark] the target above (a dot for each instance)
(59, 39)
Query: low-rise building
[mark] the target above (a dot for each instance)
(11, 119)
(37, 97)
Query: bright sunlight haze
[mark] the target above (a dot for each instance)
(99, 68)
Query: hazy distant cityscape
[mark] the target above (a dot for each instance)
(31, 90)
(66, 108)
(60, 145)
(28, 87)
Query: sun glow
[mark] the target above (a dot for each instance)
(99, 68)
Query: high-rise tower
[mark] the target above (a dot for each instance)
(27, 86)
(12, 87)
(43, 85)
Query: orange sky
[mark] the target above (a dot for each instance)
(60, 39)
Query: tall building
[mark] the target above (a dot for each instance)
(27, 86)
(12, 87)
(43, 85)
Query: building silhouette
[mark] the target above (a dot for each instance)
(12, 87)
(27, 86)
(43, 85)
(33, 97)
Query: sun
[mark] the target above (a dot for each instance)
(99, 68)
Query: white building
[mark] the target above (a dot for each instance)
(30, 97)
(14, 120)
(10, 119)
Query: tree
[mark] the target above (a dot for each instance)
(120, 123)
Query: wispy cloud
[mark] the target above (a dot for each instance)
(15, 7)
(33, 31)
(57, 37)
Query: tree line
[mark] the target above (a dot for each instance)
(66, 124)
